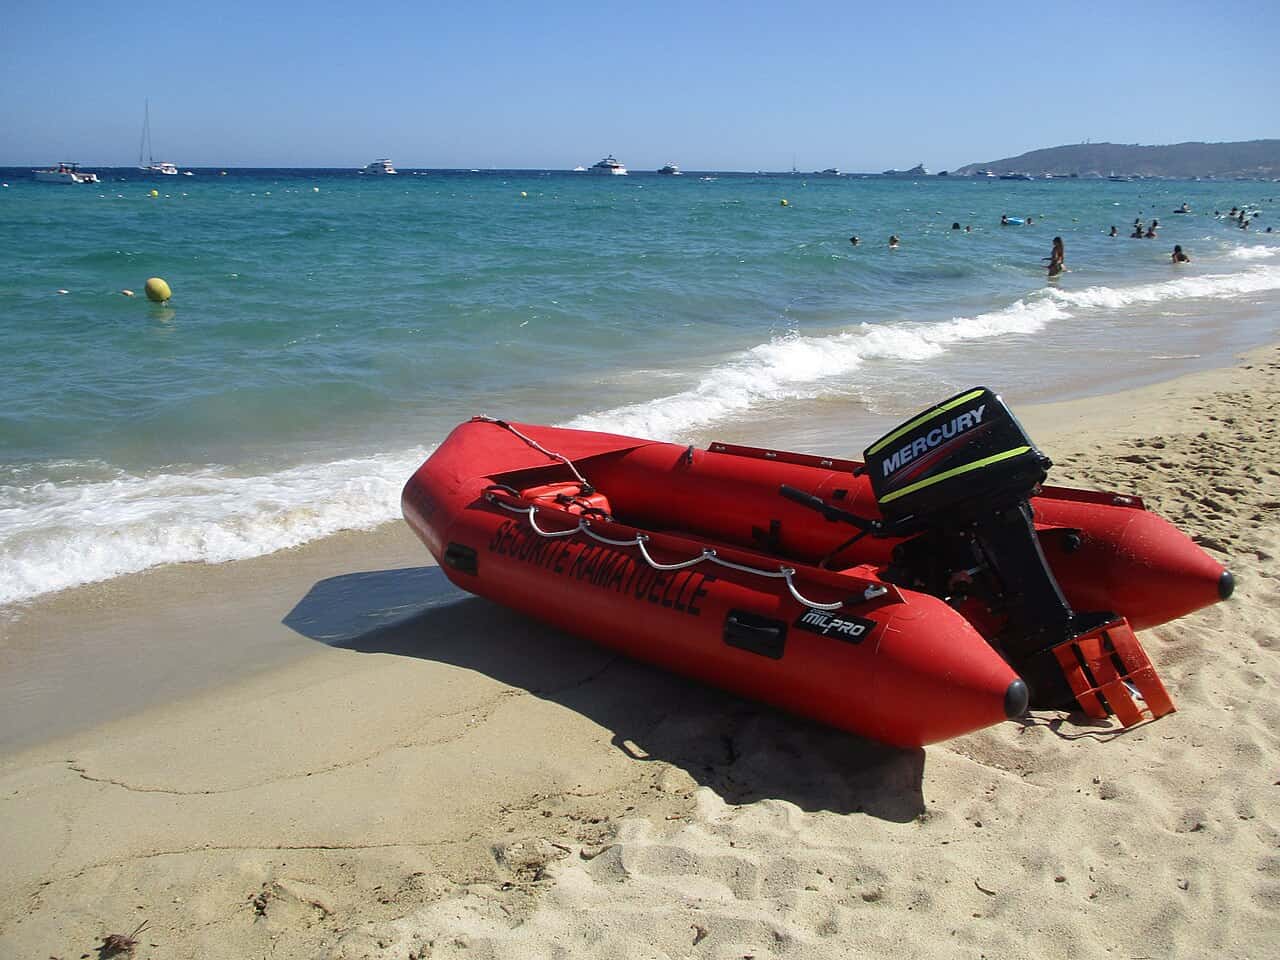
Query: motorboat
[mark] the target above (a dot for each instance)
(380, 167)
(65, 172)
(670, 170)
(608, 167)
(933, 589)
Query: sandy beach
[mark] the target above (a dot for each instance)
(331, 752)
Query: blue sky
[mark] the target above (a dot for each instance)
(726, 86)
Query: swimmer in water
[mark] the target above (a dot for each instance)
(855, 240)
(1057, 257)
(1113, 232)
(1178, 255)
(955, 226)
(1004, 219)
(893, 241)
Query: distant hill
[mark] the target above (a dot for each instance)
(1249, 158)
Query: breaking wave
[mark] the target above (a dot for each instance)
(796, 367)
(58, 535)
(1256, 252)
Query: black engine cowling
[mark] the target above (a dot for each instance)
(963, 456)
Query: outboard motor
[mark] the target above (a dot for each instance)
(957, 481)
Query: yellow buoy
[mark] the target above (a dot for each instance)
(155, 193)
(782, 203)
(158, 290)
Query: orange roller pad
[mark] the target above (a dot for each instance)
(1105, 666)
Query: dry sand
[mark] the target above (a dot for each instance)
(331, 753)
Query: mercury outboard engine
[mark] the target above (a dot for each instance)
(957, 480)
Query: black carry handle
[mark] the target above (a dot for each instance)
(829, 512)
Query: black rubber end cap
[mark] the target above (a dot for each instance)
(1016, 699)
(1226, 584)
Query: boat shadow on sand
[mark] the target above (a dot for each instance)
(744, 751)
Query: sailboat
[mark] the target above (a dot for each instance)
(144, 149)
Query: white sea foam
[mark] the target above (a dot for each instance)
(54, 536)
(1257, 252)
(797, 367)
(1212, 286)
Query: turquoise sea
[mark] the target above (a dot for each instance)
(327, 329)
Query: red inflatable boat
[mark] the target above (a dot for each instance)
(935, 589)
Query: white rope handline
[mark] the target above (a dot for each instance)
(644, 552)
(708, 554)
(537, 446)
(545, 533)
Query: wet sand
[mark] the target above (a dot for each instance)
(330, 752)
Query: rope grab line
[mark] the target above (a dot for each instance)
(537, 446)
(708, 554)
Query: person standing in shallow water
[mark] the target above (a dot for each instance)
(1179, 256)
(1057, 257)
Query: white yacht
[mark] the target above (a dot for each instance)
(670, 170)
(65, 173)
(608, 167)
(382, 166)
